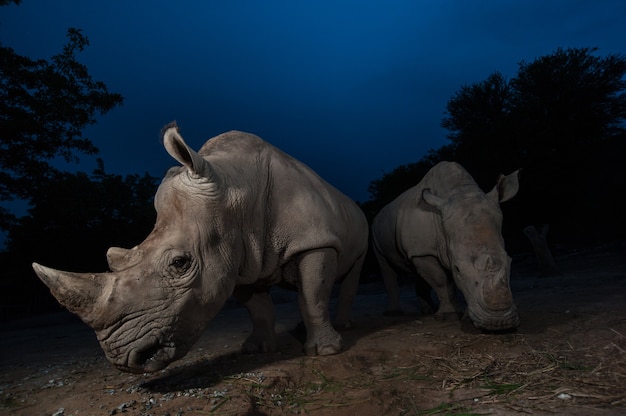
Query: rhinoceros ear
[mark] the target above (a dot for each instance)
(178, 149)
(433, 200)
(506, 187)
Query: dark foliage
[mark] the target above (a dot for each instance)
(44, 107)
(73, 217)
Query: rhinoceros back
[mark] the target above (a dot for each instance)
(301, 210)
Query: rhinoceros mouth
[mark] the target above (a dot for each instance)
(151, 357)
(497, 323)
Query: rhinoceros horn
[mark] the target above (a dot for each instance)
(78, 292)
(121, 258)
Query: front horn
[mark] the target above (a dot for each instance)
(78, 292)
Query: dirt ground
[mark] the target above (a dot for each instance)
(567, 357)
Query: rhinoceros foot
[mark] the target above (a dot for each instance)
(325, 341)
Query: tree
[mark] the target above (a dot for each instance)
(44, 107)
(557, 105)
(568, 107)
(478, 110)
(479, 121)
(569, 101)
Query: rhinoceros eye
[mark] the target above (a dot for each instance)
(180, 263)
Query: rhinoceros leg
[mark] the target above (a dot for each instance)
(317, 270)
(390, 278)
(261, 310)
(430, 269)
(423, 292)
(349, 287)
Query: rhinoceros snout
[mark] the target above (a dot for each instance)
(489, 320)
(151, 359)
(146, 356)
(498, 297)
(495, 310)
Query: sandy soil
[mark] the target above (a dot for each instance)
(567, 357)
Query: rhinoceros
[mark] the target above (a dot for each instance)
(237, 217)
(446, 225)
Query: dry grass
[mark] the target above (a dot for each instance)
(469, 373)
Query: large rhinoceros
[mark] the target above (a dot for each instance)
(446, 225)
(237, 217)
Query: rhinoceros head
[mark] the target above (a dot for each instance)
(154, 303)
(480, 266)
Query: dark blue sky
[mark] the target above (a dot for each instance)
(351, 88)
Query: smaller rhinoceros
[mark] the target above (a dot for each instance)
(446, 225)
(235, 218)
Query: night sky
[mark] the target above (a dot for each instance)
(351, 88)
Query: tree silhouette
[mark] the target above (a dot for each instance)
(80, 216)
(569, 100)
(44, 107)
(479, 121)
(559, 106)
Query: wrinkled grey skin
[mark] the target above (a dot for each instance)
(447, 225)
(236, 218)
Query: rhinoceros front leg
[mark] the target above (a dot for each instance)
(261, 310)
(436, 276)
(390, 279)
(317, 270)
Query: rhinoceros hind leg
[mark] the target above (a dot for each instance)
(261, 310)
(317, 270)
(347, 292)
